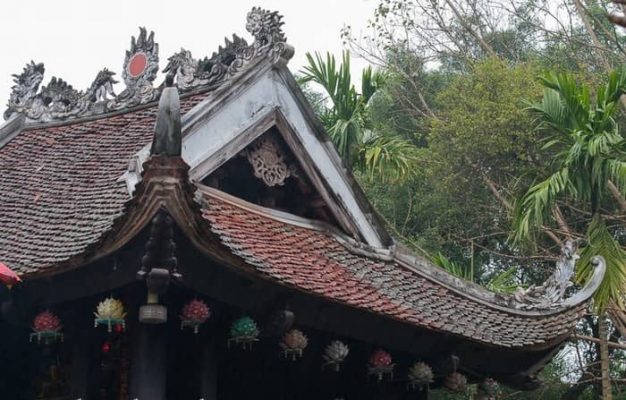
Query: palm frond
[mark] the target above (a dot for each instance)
(533, 209)
(389, 158)
(504, 282)
(602, 242)
(453, 268)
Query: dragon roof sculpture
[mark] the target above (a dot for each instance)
(59, 101)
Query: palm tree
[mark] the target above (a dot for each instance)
(501, 282)
(590, 155)
(387, 157)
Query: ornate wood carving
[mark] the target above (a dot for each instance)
(59, 101)
(268, 162)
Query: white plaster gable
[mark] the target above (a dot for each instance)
(230, 118)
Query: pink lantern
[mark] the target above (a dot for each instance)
(8, 276)
(47, 328)
(194, 314)
(381, 364)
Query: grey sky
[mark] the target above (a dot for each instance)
(77, 38)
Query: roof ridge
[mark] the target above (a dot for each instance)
(59, 101)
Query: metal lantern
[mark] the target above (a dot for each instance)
(488, 389)
(455, 382)
(420, 375)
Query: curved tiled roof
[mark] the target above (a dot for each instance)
(62, 194)
(316, 261)
(60, 187)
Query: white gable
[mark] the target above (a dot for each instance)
(230, 118)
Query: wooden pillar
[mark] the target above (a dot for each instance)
(208, 368)
(80, 365)
(148, 379)
(421, 394)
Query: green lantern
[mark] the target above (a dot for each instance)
(244, 332)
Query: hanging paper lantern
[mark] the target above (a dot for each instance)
(194, 314)
(293, 344)
(420, 375)
(244, 331)
(47, 328)
(488, 389)
(335, 353)
(380, 364)
(110, 313)
(106, 347)
(8, 276)
(455, 382)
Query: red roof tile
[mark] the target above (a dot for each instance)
(325, 267)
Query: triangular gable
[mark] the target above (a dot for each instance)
(267, 96)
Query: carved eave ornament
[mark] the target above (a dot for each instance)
(551, 294)
(59, 101)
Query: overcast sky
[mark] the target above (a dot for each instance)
(77, 38)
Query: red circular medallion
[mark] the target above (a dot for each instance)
(137, 64)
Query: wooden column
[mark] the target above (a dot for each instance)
(421, 394)
(208, 368)
(80, 367)
(148, 380)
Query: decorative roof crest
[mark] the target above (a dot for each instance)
(24, 91)
(141, 65)
(269, 43)
(60, 101)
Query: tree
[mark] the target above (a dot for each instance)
(389, 157)
(589, 154)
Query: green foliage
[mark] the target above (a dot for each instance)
(501, 282)
(480, 115)
(587, 152)
(387, 157)
(345, 120)
(602, 242)
(455, 269)
(456, 73)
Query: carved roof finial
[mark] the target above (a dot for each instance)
(552, 293)
(141, 65)
(167, 131)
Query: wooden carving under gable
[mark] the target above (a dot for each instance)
(268, 162)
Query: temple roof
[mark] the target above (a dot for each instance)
(68, 190)
(312, 258)
(61, 187)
